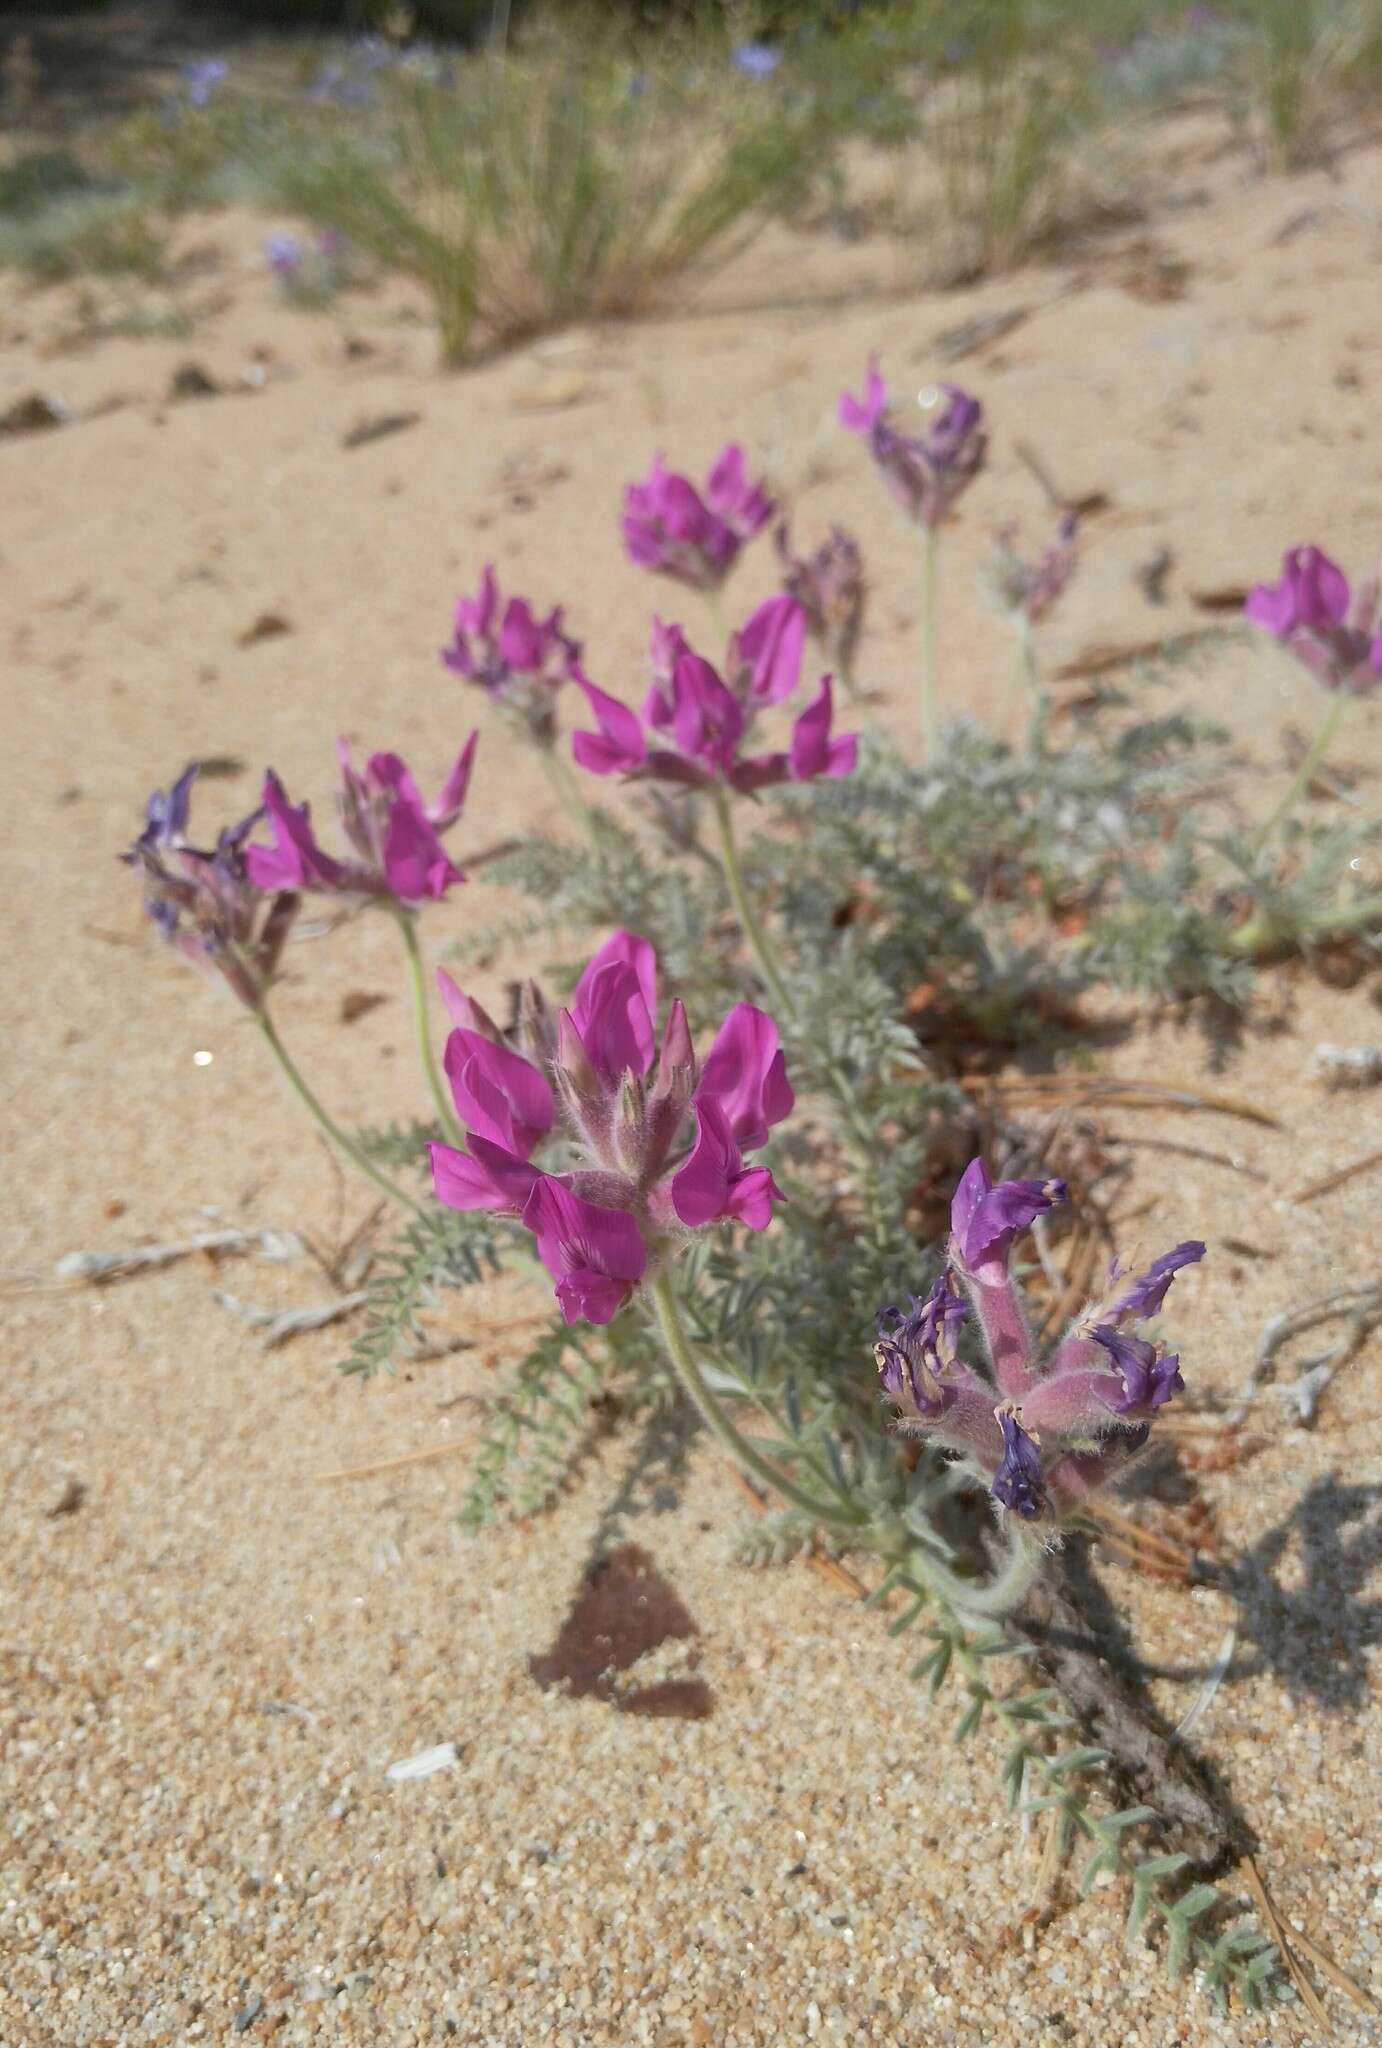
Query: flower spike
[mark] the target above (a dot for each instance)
(1062, 1425)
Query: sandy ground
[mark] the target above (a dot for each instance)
(211, 1657)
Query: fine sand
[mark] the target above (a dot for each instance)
(212, 1652)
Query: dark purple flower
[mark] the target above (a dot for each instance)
(985, 1219)
(915, 1351)
(1149, 1377)
(517, 658)
(1017, 1483)
(206, 904)
(1029, 589)
(829, 586)
(1147, 1293)
(1311, 613)
(165, 814)
(670, 526)
(1087, 1406)
(925, 472)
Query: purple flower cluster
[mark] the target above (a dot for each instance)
(1029, 589)
(1044, 1434)
(205, 903)
(926, 472)
(393, 834)
(1312, 613)
(519, 660)
(695, 721)
(829, 586)
(599, 1073)
(694, 536)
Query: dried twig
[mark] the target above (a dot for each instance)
(1337, 1178)
(426, 1456)
(1360, 1308)
(1276, 1927)
(278, 1325)
(95, 1268)
(1083, 1089)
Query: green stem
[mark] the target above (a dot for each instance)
(715, 605)
(930, 548)
(717, 1421)
(1036, 697)
(421, 1033)
(353, 1152)
(757, 939)
(754, 934)
(1300, 780)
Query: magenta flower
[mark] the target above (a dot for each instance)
(925, 472)
(829, 586)
(1043, 1432)
(707, 721)
(745, 1072)
(622, 1096)
(673, 528)
(392, 833)
(518, 659)
(1311, 613)
(596, 1256)
(205, 903)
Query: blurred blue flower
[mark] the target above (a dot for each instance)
(200, 80)
(755, 60)
(282, 254)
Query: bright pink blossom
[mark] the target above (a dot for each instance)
(393, 834)
(695, 724)
(623, 1095)
(1311, 612)
(694, 536)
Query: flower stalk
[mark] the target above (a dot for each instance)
(422, 1035)
(755, 937)
(1300, 781)
(344, 1144)
(683, 1362)
(930, 552)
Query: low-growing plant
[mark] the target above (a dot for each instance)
(736, 1141)
(103, 233)
(554, 185)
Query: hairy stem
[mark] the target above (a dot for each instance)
(421, 1032)
(1037, 705)
(754, 935)
(930, 550)
(693, 1384)
(339, 1138)
(1300, 780)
